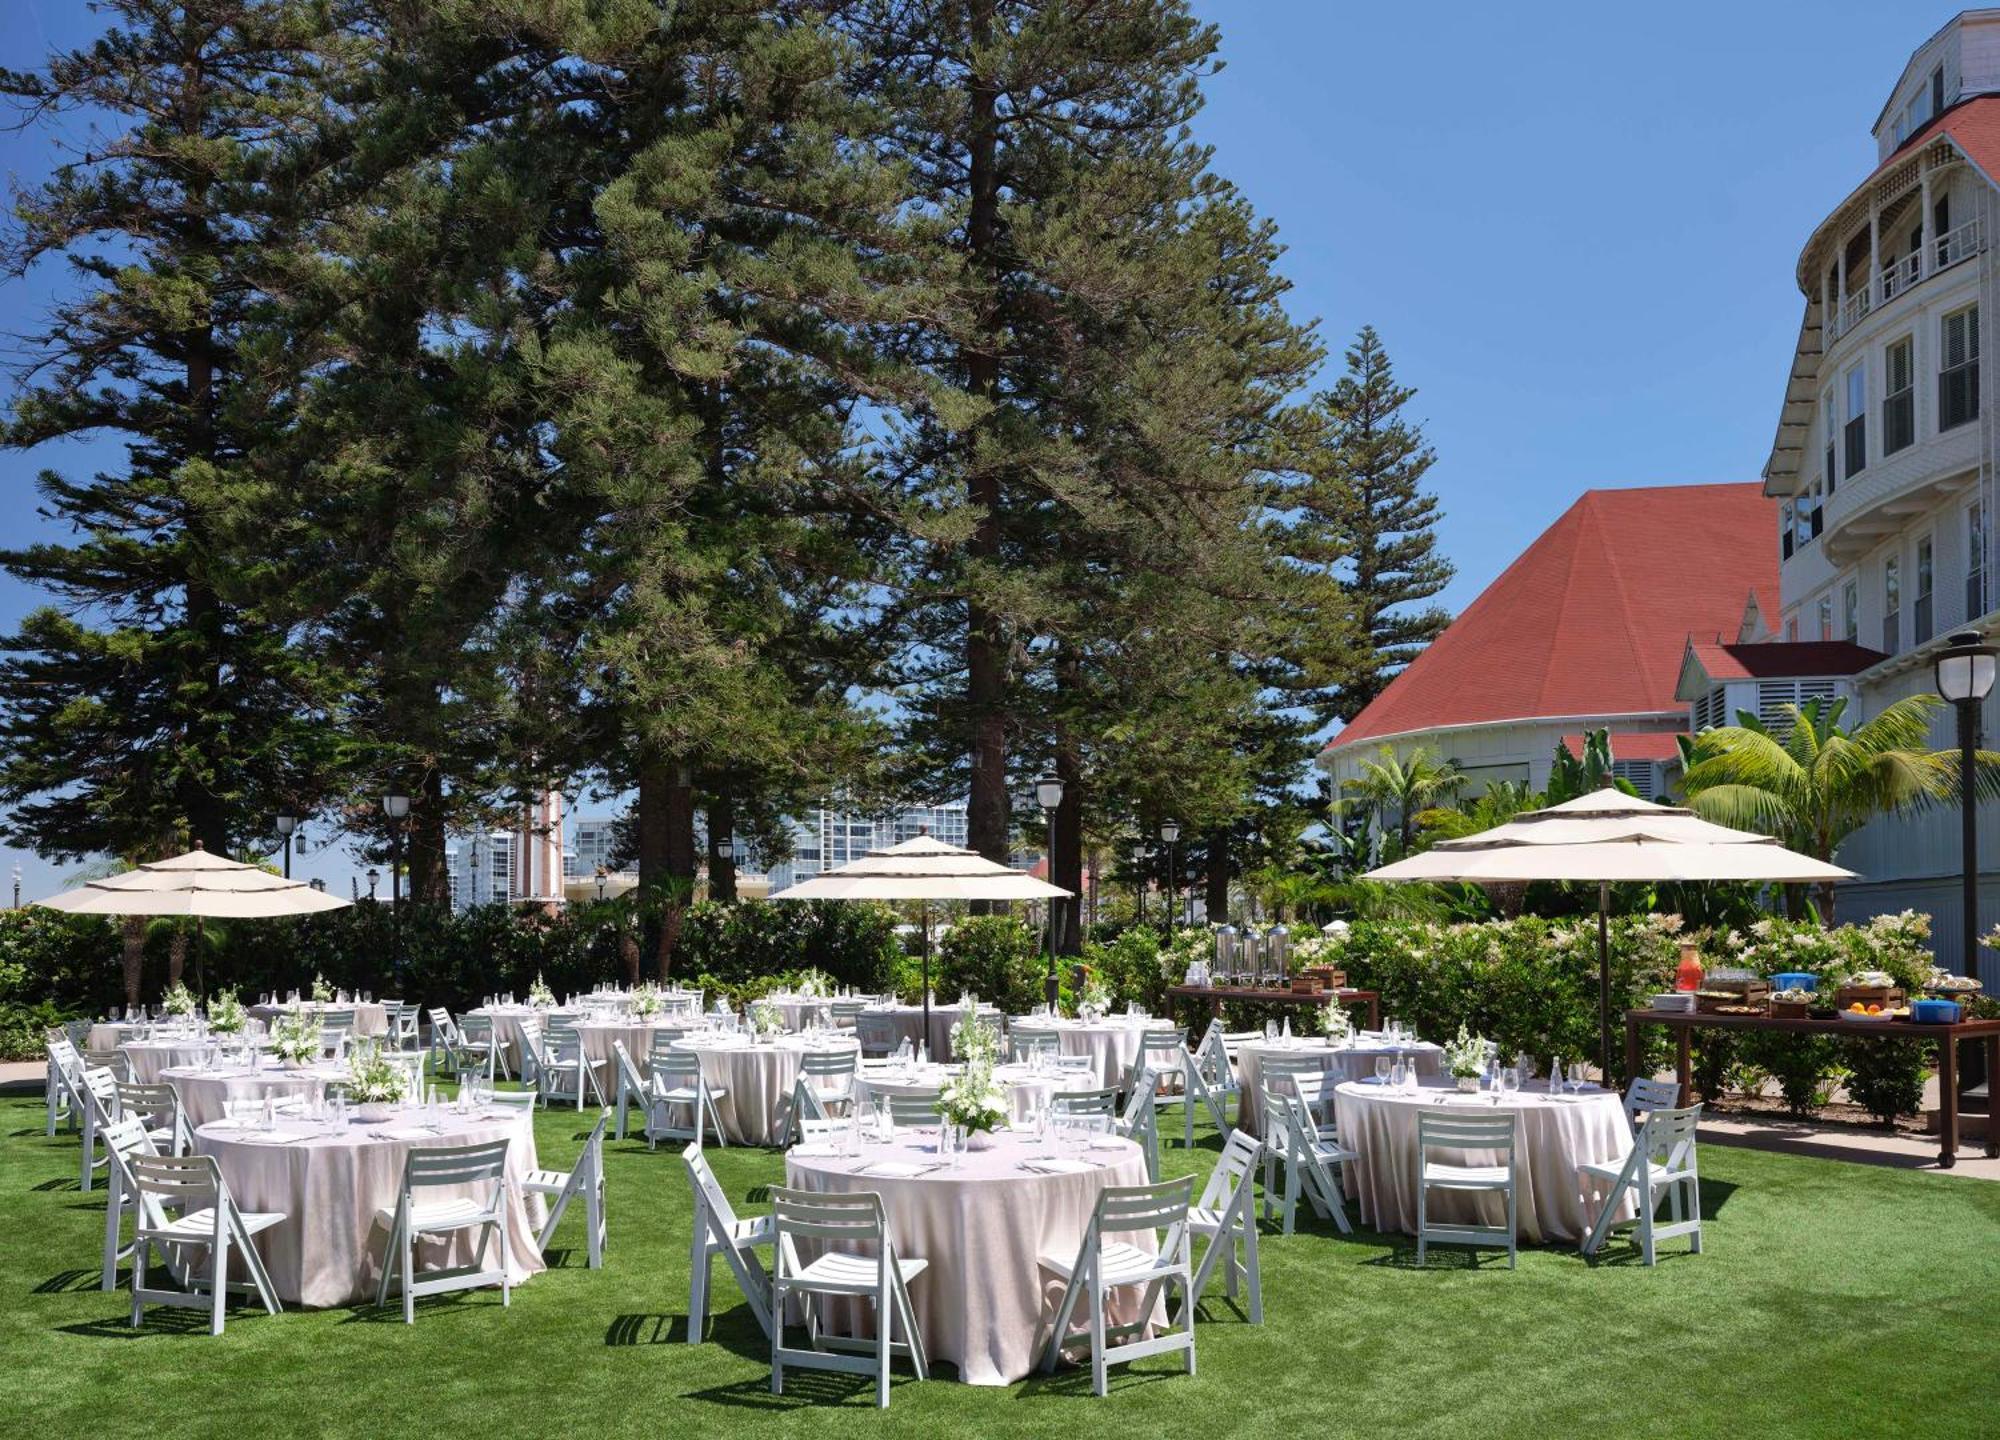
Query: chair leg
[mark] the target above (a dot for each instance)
(408, 1259)
(139, 1248)
(1423, 1221)
(1099, 1379)
(885, 1332)
(1253, 1271)
(218, 1283)
(113, 1209)
(777, 1341)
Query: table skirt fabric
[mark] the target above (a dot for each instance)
(369, 1018)
(205, 1094)
(1356, 1062)
(758, 1078)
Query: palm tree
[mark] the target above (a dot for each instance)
(1812, 783)
(1393, 789)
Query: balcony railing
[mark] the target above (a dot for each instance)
(1903, 273)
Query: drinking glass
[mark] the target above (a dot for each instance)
(1382, 1067)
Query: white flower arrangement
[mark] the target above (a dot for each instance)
(647, 1001)
(373, 1079)
(539, 994)
(322, 993)
(1335, 1024)
(1096, 997)
(766, 1019)
(971, 1101)
(1465, 1056)
(295, 1037)
(975, 1043)
(814, 985)
(225, 1014)
(178, 1000)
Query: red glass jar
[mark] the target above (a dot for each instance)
(1688, 975)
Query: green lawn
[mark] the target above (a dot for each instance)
(1834, 1300)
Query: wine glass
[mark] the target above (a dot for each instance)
(1382, 1068)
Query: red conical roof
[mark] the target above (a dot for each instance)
(1594, 618)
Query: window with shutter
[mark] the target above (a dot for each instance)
(1855, 456)
(1899, 405)
(1892, 604)
(1958, 368)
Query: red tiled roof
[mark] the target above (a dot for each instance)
(1775, 659)
(1633, 745)
(1593, 618)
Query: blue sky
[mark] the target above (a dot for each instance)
(1574, 225)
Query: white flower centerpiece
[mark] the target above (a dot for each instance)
(179, 1000)
(1095, 1002)
(322, 993)
(648, 1002)
(225, 1014)
(1335, 1024)
(539, 994)
(375, 1083)
(814, 985)
(295, 1038)
(1465, 1058)
(974, 1043)
(971, 1099)
(767, 1021)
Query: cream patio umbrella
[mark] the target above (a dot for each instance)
(205, 886)
(1610, 837)
(923, 868)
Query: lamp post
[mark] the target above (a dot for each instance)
(1049, 794)
(1965, 672)
(286, 825)
(601, 878)
(17, 887)
(1171, 832)
(374, 878)
(397, 808)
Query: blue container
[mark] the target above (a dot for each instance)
(1935, 1012)
(1795, 980)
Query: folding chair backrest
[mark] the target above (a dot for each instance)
(913, 1109)
(1465, 1132)
(1142, 1097)
(1645, 1095)
(707, 1187)
(154, 1104)
(1163, 1044)
(1280, 1071)
(476, 1029)
(677, 1066)
(336, 1019)
(1085, 1102)
(123, 1140)
(1233, 1167)
(559, 1028)
(663, 1042)
(1023, 1042)
(826, 1064)
(838, 1220)
(1122, 1209)
(1212, 1056)
(845, 1012)
(101, 1086)
(876, 1031)
(628, 1072)
(433, 1167)
(1668, 1136)
(181, 1183)
(510, 1100)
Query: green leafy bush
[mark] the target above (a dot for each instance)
(1885, 1076)
(997, 957)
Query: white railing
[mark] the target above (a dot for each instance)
(1905, 272)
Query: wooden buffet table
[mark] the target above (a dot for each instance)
(1217, 996)
(1949, 1037)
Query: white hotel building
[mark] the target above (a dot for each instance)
(1884, 456)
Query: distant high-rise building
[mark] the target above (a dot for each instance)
(482, 870)
(826, 839)
(591, 845)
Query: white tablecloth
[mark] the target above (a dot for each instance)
(759, 1078)
(148, 1058)
(1552, 1138)
(329, 1249)
(982, 1227)
(1028, 1090)
(506, 1021)
(637, 1036)
(370, 1018)
(1350, 1062)
(1112, 1044)
(909, 1023)
(110, 1034)
(204, 1093)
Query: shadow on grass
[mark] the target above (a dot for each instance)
(804, 1389)
(452, 1303)
(59, 1183)
(1440, 1257)
(735, 1330)
(65, 1282)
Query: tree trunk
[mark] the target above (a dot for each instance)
(987, 819)
(423, 850)
(1066, 859)
(722, 844)
(133, 934)
(655, 779)
(1215, 877)
(677, 824)
(628, 951)
(177, 953)
(1823, 898)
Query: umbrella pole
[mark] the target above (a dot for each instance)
(1604, 980)
(927, 972)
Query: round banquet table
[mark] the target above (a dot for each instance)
(370, 1018)
(1028, 1090)
(759, 1076)
(797, 1009)
(110, 1034)
(1355, 1061)
(1112, 1044)
(637, 1035)
(329, 1248)
(909, 1023)
(205, 1094)
(983, 1226)
(506, 1021)
(150, 1059)
(1553, 1136)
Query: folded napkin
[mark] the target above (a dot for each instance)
(271, 1137)
(1056, 1165)
(1106, 1142)
(403, 1132)
(815, 1151)
(895, 1169)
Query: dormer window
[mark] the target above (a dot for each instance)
(1937, 91)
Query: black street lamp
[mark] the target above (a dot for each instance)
(601, 878)
(374, 879)
(1049, 794)
(1171, 832)
(318, 884)
(286, 825)
(1965, 670)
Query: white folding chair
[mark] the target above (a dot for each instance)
(158, 1108)
(718, 1231)
(679, 1084)
(1226, 1216)
(123, 1140)
(913, 1110)
(478, 1049)
(1309, 1162)
(830, 1075)
(663, 1041)
(1025, 1042)
(65, 1065)
(182, 1205)
(1164, 1052)
(832, 1224)
(633, 1088)
(585, 1180)
(97, 1096)
(1461, 1135)
(877, 1033)
(844, 1013)
(1210, 1080)
(511, 1100)
(1140, 1121)
(804, 1110)
(1104, 1265)
(1662, 1159)
(481, 1169)
(562, 1070)
(1645, 1095)
(403, 1026)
